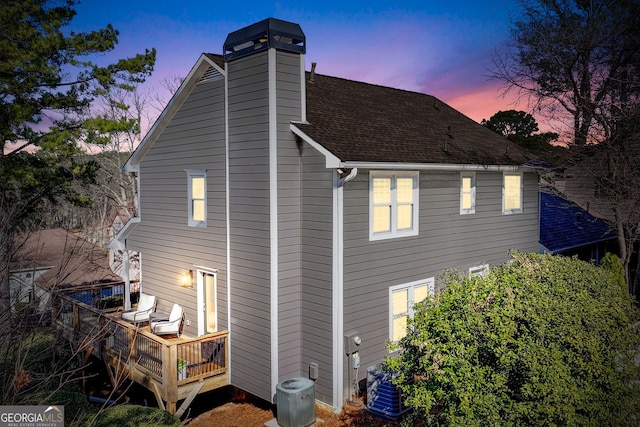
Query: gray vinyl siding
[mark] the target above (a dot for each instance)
(288, 108)
(446, 239)
(193, 139)
(249, 224)
(317, 263)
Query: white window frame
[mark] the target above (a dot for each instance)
(196, 173)
(504, 179)
(394, 233)
(430, 283)
(479, 270)
(472, 193)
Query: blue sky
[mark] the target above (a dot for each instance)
(440, 48)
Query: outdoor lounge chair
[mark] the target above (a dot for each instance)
(146, 306)
(170, 326)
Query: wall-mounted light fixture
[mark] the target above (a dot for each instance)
(186, 279)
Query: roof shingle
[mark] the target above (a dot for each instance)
(361, 122)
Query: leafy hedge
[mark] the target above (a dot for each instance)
(543, 340)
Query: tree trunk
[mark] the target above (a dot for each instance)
(6, 241)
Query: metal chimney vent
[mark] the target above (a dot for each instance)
(263, 35)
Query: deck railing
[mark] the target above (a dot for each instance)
(172, 368)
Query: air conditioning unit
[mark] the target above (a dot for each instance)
(296, 402)
(383, 398)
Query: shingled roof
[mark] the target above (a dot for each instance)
(565, 226)
(361, 122)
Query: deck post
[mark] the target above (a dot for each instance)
(170, 376)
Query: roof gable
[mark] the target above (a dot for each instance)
(207, 66)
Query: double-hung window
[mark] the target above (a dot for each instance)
(512, 193)
(467, 193)
(393, 204)
(402, 298)
(197, 198)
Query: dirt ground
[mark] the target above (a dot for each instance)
(248, 415)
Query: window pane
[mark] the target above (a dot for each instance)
(512, 192)
(197, 187)
(198, 210)
(466, 184)
(404, 190)
(466, 201)
(381, 191)
(420, 293)
(399, 328)
(381, 219)
(405, 217)
(399, 302)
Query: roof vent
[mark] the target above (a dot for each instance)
(263, 35)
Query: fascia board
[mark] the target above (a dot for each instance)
(331, 160)
(118, 242)
(178, 98)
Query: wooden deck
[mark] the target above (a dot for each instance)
(174, 369)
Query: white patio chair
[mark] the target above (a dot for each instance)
(146, 306)
(170, 326)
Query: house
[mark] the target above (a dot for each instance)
(305, 210)
(54, 258)
(567, 229)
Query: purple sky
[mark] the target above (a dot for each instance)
(441, 48)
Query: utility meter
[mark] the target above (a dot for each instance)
(352, 342)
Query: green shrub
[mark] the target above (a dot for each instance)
(135, 416)
(543, 340)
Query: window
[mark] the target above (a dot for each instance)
(401, 301)
(197, 191)
(393, 210)
(479, 270)
(467, 193)
(512, 193)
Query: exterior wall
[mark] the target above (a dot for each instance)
(446, 239)
(249, 224)
(194, 139)
(288, 108)
(316, 265)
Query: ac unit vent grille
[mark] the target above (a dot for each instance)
(383, 398)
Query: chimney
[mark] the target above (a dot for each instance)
(258, 37)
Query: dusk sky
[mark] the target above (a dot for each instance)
(440, 48)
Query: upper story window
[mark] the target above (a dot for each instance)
(197, 196)
(393, 204)
(467, 193)
(512, 193)
(402, 298)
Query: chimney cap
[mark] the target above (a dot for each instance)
(263, 35)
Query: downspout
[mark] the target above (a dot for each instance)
(338, 289)
(344, 179)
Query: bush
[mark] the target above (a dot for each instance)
(543, 340)
(135, 416)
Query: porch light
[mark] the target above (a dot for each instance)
(186, 279)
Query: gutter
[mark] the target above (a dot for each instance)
(428, 166)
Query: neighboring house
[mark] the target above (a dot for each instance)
(54, 258)
(307, 208)
(567, 229)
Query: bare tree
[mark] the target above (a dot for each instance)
(577, 61)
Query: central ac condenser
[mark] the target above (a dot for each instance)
(295, 401)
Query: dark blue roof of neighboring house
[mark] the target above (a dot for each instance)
(565, 225)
